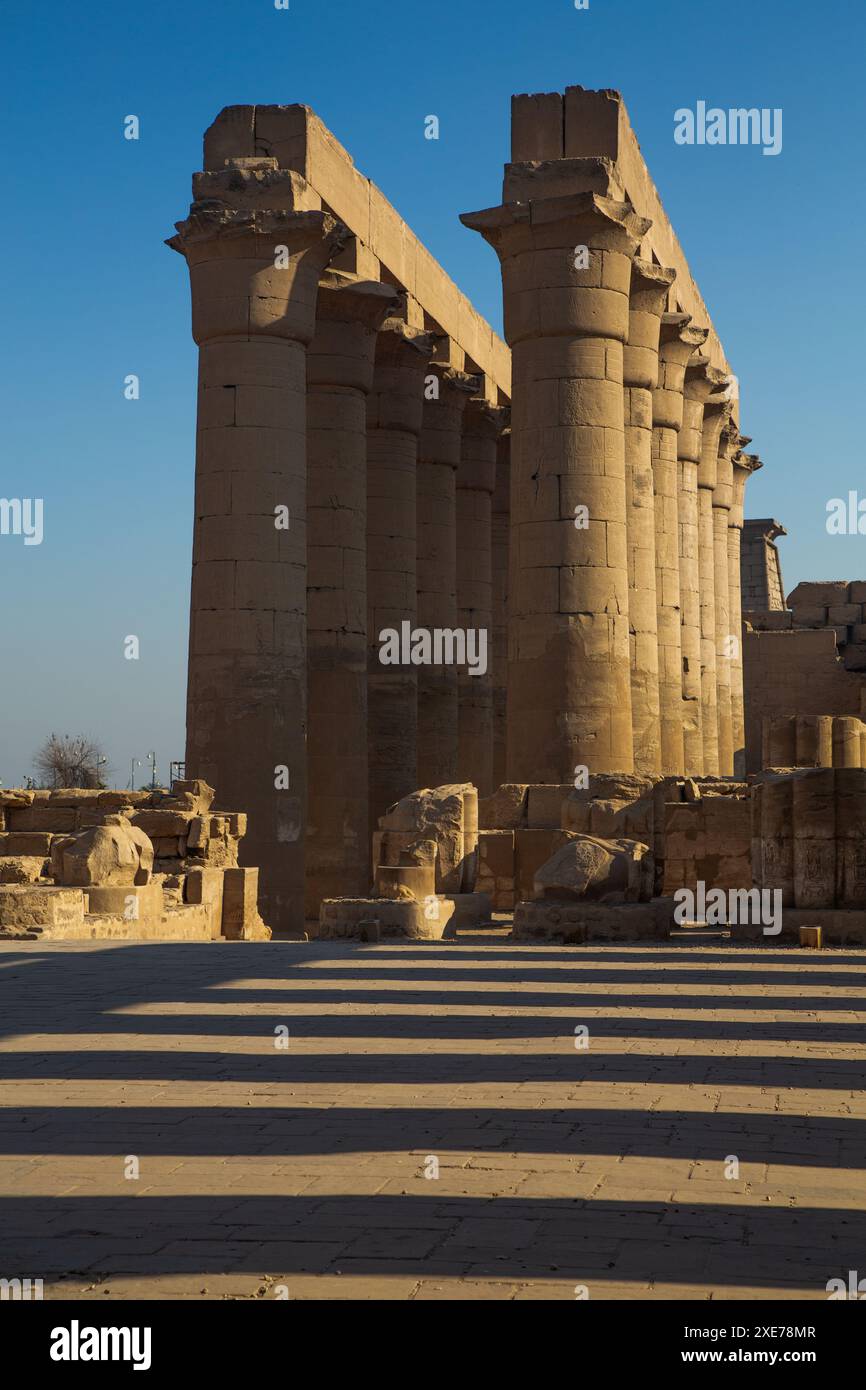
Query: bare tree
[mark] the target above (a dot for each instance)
(71, 760)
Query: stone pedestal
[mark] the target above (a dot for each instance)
(566, 268)
(339, 377)
(394, 410)
(256, 242)
(678, 342)
(446, 395)
(649, 290)
(499, 560)
(476, 482)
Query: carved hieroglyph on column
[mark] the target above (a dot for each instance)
(649, 289)
(446, 395)
(744, 466)
(476, 481)
(339, 377)
(256, 242)
(701, 382)
(499, 565)
(716, 416)
(679, 718)
(566, 269)
(394, 410)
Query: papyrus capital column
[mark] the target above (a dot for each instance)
(744, 465)
(678, 342)
(647, 299)
(476, 481)
(701, 380)
(445, 398)
(339, 378)
(716, 413)
(566, 270)
(256, 242)
(728, 634)
(394, 412)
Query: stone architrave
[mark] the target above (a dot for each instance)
(566, 267)
(256, 242)
(339, 377)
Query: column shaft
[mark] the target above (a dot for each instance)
(339, 377)
(649, 289)
(499, 567)
(254, 270)
(394, 410)
(438, 461)
(476, 480)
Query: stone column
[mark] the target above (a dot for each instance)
(339, 377)
(649, 290)
(499, 565)
(744, 465)
(677, 344)
(566, 268)
(716, 416)
(256, 242)
(725, 634)
(476, 481)
(438, 461)
(394, 409)
(701, 382)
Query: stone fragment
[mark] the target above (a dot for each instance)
(113, 854)
(605, 871)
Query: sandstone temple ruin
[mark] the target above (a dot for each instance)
(476, 628)
(372, 458)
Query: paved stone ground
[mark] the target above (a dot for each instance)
(266, 1170)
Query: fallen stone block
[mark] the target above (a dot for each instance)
(587, 869)
(575, 924)
(241, 920)
(111, 855)
(206, 887)
(505, 809)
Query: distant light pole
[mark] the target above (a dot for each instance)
(152, 757)
(134, 763)
(100, 762)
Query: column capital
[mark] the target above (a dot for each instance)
(566, 264)
(255, 242)
(678, 342)
(648, 295)
(483, 418)
(717, 414)
(482, 426)
(348, 313)
(744, 466)
(402, 361)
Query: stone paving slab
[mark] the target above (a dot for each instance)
(431, 1131)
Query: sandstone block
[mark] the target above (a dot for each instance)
(35, 843)
(205, 886)
(21, 868)
(606, 871)
(241, 920)
(505, 809)
(26, 911)
(821, 593)
(161, 824)
(544, 806)
(809, 615)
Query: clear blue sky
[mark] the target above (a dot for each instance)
(91, 294)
